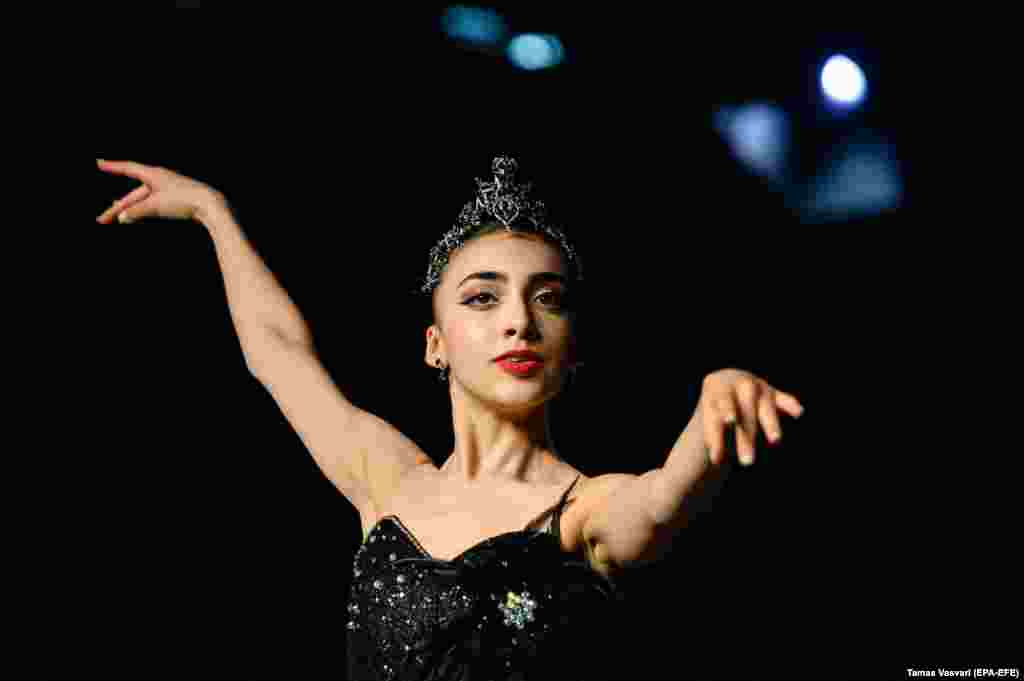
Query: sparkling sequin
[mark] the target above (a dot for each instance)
(416, 615)
(518, 609)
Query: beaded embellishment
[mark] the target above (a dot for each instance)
(508, 202)
(518, 609)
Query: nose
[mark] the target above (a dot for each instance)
(521, 322)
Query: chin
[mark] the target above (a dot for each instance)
(529, 394)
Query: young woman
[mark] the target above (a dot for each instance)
(501, 563)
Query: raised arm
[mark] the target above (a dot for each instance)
(360, 453)
(257, 302)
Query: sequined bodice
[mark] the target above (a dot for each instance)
(507, 608)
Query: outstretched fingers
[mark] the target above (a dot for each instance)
(140, 172)
(716, 425)
(789, 404)
(136, 195)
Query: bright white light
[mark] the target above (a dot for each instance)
(842, 80)
(758, 135)
(532, 51)
(473, 25)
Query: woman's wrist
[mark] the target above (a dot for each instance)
(212, 205)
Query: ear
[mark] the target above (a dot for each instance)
(430, 353)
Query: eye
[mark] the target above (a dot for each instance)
(556, 295)
(479, 295)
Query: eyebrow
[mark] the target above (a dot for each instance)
(501, 276)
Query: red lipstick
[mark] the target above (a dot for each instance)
(520, 362)
(523, 368)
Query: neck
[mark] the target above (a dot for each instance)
(492, 444)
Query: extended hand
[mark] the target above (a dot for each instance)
(735, 398)
(164, 193)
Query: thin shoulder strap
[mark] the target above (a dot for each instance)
(555, 524)
(556, 520)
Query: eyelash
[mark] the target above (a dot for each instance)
(488, 293)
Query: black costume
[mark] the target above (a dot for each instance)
(513, 606)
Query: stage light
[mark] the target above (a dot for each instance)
(863, 182)
(758, 136)
(842, 81)
(533, 51)
(474, 26)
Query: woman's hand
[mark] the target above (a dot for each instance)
(732, 397)
(163, 194)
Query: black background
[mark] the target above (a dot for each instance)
(171, 520)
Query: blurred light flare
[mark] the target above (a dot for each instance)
(842, 81)
(473, 25)
(865, 181)
(758, 135)
(534, 51)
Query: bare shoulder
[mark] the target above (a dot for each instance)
(414, 481)
(600, 486)
(593, 491)
(588, 495)
(592, 494)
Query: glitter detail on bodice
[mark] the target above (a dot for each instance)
(504, 608)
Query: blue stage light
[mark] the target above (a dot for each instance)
(473, 25)
(533, 51)
(758, 136)
(864, 181)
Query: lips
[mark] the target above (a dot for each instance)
(520, 357)
(526, 367)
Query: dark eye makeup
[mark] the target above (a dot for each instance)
(557, 295)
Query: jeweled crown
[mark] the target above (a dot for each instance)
(507, 201)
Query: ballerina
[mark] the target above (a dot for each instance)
(502, 560)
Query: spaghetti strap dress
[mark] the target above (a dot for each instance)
(514, 606)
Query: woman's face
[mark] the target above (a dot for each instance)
(519, 302)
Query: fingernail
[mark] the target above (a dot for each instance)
(746, 459)
(123, 217)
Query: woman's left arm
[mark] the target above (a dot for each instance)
(636, 522)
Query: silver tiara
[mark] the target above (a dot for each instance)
(506, 201)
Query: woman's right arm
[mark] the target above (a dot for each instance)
(361, 454)
(257, 302)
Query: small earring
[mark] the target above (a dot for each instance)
(443, 374)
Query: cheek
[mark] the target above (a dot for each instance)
(469, 339)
